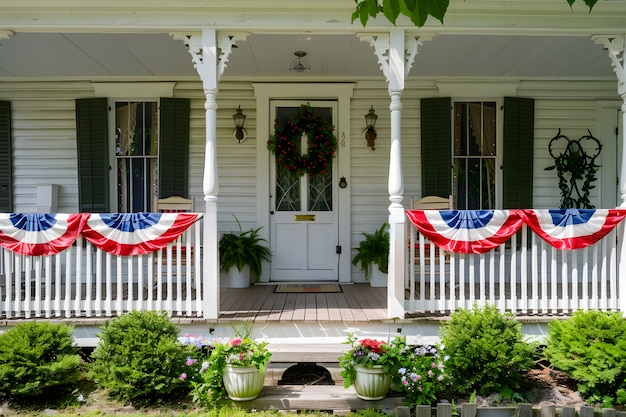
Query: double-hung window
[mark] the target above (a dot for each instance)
(474, 156)
(136, 155)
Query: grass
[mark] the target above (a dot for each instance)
(221, 412)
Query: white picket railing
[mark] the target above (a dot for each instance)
(84, 281)
(525, 275)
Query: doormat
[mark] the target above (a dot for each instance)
(304, 288)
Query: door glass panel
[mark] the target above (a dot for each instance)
(297, 193)
(321, 192)
(287, 190)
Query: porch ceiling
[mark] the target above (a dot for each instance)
(91, 55)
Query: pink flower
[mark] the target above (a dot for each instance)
(183, 376)
(235, 342)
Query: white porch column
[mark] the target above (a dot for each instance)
(396, 52)
(616, 47)
(209, 53)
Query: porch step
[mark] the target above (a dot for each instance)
(307, 352)
(316, 397)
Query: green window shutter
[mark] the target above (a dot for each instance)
(436, 122)
(6, 166)
(93, 155)
(174, 148)
(517, 155)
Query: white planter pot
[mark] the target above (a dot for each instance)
(371, 383)
(235, 279)
(243, 383)
(377, 278)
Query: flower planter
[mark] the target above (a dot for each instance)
(371, 383)
(243, 383)
(377, 278)
(233, 278)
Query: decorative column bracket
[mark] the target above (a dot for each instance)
(616, 47)
(382, 45)
(225, 43)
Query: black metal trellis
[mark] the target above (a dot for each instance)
(576, 168)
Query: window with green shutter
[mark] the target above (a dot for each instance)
(151, 153)
(459, 152)
(6, 166)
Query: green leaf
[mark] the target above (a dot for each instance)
(361, 13)
(419, 14)
(391, 10)
(571, 2)
(372, 7)
(591, 3)
(438, 8)
(355, 15)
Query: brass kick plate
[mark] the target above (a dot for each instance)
(304, 217)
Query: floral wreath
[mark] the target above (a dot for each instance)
(321, 143)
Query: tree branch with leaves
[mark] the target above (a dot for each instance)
(416, 10)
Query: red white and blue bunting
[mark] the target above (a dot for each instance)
(479, 231)
(118, 234)
(572, 228)
(39, 234)
(466, 231)
(136, 233)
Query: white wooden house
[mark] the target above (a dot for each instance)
(74, 73)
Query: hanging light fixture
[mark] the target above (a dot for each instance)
(300, 64)
(370, 133)
(239, 118)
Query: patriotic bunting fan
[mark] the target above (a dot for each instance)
(466, 231)
(136, 233)
(39, 234)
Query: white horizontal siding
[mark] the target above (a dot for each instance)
(571, 106)
(44, 139)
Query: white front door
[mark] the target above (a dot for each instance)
(303, 211)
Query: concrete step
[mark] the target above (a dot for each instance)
(307, 352)
(333, 398)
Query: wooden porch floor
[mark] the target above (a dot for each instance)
(259, 303)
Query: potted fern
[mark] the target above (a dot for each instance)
(242, 254)
(373, 255)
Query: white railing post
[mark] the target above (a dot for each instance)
(621, 268)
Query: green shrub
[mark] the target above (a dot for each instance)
(485, 351)
(139, 359)
(38, 363)
(591, 347)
